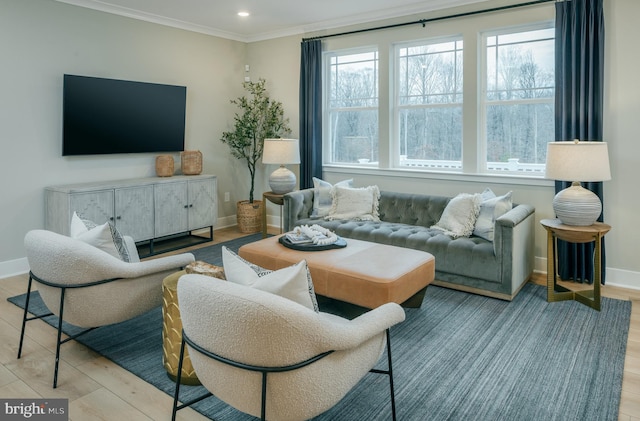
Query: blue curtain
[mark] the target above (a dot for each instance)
(310, 112)
(579, 81)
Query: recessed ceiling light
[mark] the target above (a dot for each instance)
(243, 14)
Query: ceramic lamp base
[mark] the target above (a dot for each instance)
(282, 181)
(577, 206)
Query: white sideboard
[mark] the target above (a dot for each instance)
(143, 208)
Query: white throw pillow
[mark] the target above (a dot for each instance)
(459, 216)
(360, 204)
(105, 237)
(322, 196)
(293, 282)
(491, 208)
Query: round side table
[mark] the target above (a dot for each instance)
(556, 230)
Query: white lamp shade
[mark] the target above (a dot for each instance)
(281, 151)
(578, 161)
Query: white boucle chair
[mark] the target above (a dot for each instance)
(273, 358)
(88, 287)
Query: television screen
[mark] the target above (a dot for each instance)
(109, 116)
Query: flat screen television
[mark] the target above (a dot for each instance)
(110, 116)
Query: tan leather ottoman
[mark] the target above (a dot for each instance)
(363, 273)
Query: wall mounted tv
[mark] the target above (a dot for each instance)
(109, 116)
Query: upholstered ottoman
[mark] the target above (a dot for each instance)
(363, 273)
(172, 323)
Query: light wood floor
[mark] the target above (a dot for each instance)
(98, 389)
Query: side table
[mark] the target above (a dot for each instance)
(573, 234)
(272, 197)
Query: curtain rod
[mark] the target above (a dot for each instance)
(423, 22)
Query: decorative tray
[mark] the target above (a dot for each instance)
(310, 246)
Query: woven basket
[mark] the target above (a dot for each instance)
(249, 216)
(164, 165)
(191, 162)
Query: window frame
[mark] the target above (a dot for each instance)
(534, 170)
(327, 143)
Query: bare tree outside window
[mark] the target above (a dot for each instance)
(429, 109)
(519, 103)
(353, 108)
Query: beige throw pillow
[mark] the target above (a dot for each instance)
(293, 282)
(491, 208)
(360, 204)
(459, 216)
(105, 237)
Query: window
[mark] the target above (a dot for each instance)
(475, 96)
(429, 104)
(519, 100)
(352, 107)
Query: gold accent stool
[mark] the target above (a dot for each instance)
(556, 230)
(172, 323)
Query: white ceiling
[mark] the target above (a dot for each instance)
(268, 19)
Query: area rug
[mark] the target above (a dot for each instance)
(458, 357)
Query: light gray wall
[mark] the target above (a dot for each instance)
(42, 39)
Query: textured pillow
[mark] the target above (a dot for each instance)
(293, 282)
(491, 208)
(360, 204)
(105, 237)
(459, 216)
(322, 196)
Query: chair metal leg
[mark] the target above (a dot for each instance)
(389, 372)
(393, 393)
(59, 341)
(24, 316)
(178, 378)
(263, 404)
(176, 395)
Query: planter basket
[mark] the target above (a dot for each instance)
(164, 165)
(191, 162)
(249, 216)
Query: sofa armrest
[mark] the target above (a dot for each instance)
(297, 205)
(513, 243)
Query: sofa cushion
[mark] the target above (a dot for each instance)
(105, 237)
(293, 282)
(468, 256)
(491, 208)
(354, 203)
(322, 196)
(459, 217)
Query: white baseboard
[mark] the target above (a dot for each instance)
(615, 277)
(14, 267)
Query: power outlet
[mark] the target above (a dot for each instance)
(226, 196)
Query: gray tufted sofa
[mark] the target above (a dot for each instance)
(496, 269)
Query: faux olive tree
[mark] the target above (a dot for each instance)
(258, 118)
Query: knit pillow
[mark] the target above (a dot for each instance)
(491, 208)
(322, 196)
(293, 282)
(459, 216)
(105, 237)
(360, 204)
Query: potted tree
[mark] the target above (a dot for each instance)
(258, 118)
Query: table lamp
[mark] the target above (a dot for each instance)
(572, 161)
(281, 151)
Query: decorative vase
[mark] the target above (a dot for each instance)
(249, 216)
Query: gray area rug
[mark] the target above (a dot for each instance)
(458, 357)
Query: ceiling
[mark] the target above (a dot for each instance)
(268, 18)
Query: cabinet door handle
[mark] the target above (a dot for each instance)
(191, 205)
(111, 218)
(118, 217)
(186, 206)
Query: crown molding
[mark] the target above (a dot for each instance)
(294, 30)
